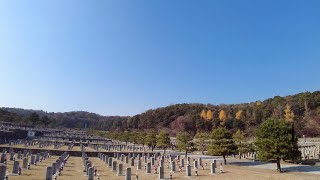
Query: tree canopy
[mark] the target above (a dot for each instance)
(274, 141)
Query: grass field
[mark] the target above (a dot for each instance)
(74, 171)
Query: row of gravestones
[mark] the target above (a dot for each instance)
(70, 146)
(57, 167)
(118, 168)
(88, 167)
(15, 142)
(252, 155)
(310, 152)
(109, 147)
(58, 145)
(39, 157)
(151, 162)
(43, 144)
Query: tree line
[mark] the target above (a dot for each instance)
(275, 139)
(191, 118)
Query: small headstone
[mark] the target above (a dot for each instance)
(148, 168)
(128, 174)
(139, 164)
(90, 173)
(33, 158)
(54, 168)
(213, 169)
(182, 162)
(188, 170)
(114, 166)
(110, 162)
(3, 169)
(3, 157)
(161, 172)
(120, 167)
(15, 169)
(173, 166)
(49, 173)
(25, 163)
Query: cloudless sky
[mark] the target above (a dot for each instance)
(116, 57)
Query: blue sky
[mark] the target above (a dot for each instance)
(124, 57)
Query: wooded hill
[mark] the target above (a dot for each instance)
(304, 109)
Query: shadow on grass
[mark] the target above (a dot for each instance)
(301, 169)
(253, 163)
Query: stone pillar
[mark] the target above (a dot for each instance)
(173, 166)
(188, 170)
(109, 162)
(213, 169)
(182, 162)
(38, 157)
(19, 154)
(33, 159)
(120, 167)
(25, 163)
(200, 161)
(49, 173)
(3, 169)
(3, 157)
(90, 173)
(15, 167)
(161, 172)
(149, 168)
(114, 166)
(195, 165)
(139, 164)
(128, 174)
(54, 168)
(215, 163)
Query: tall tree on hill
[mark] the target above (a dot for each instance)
(151, 140)
(34, 118)
(141, 138)
(239, 140)
(274, 141)
(289, 117)
(200, 141)
(221, 143)
(209, 115)
(46, 121)
(222, 117)
(125, 137)
(203, 114)
(184, 142)
(163, 140)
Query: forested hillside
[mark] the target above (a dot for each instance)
(303, 109)
(76, 119)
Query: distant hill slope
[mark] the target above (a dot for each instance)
(74, 119)
(187, 117)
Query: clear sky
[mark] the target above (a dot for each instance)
(124, 57)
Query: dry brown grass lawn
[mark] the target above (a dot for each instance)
(74, 171)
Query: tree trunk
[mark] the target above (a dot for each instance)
(278, 165)
(292, 132)
(239, 155)
(225, 160)
(186, 154)
(152, 148)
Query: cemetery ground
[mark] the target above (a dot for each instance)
(74, 170)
